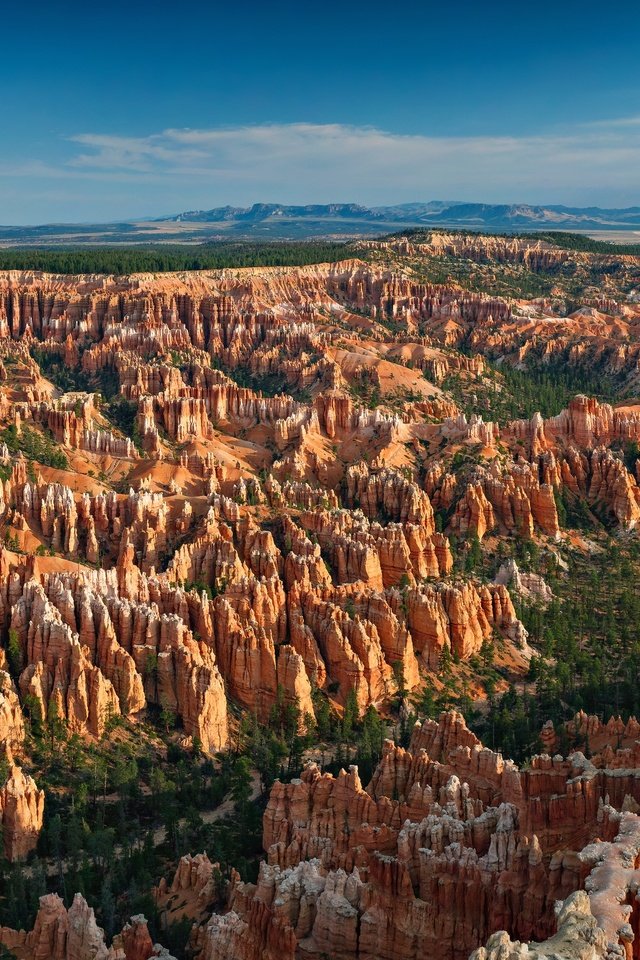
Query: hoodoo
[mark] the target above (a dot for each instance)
(326, 570)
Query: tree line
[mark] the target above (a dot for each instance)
(162, 259)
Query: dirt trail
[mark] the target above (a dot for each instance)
(211, 816)
(160, 834)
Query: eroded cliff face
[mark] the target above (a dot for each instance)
(338, 603)
(447, 846)
(279, 616)
(599, 922)
(268, 496)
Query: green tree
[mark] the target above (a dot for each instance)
(350, 715)
(167, 716)
(55, 724)
(14, 654)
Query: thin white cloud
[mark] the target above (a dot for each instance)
(616, 122)
(303, 162)
(338, 154)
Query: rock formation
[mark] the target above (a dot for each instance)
(460, 851)
(73, 934)
(21, 813)
(291, 488)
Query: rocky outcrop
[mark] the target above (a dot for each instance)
(293, 679)
(598, 923)
(457, 617)
(604, 742)
(447, 846)
(90, 660)
(474, 514)
(352, 490)
(60, 674)
(578, 938)
(21, 813)
(525, 584)
(379, 556)
(73, 934)
(197, 886)
(588, 424)
(11, 719)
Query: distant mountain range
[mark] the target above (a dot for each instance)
(274, 221)
(434, 213)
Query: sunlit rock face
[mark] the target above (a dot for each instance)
(265, 493)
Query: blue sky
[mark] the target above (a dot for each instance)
(137, 109)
